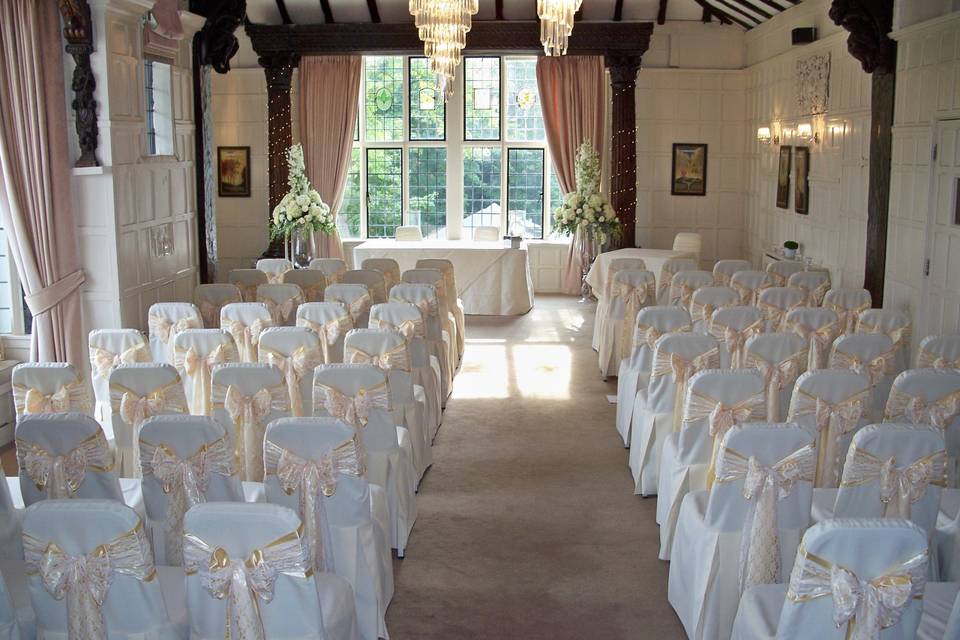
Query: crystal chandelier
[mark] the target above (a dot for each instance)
(556, 24)
(443, 26)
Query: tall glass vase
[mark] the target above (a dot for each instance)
(298, 247)
(587, 247)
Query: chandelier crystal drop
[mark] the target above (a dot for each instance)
(556, 24)
(442, 26)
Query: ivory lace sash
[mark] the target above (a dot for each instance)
(815, 295)
(248, 290)
(703, 311)
(665, 281)
(315, 480)
(409, 329)
(927, 359)
(60, 475)
(247, 337)
(313, 292)
(102, 361)
(819, 339)
(353, 409)
(939, 413)
(275, 277)
(166, 329)
(185, 481)
(248, 413)
(328, 332)
(900, 335)
(764, 486)
(682, 292)
(84, 581)
(280, 312)
(777, 376)
(301, 362)
(834, 421)
(875, 368)
(634, 299)
(429, 306)
(199, 367)
(133, 408)
(848, 316)
(210, 311)
(649, 334)
(245, 582)
(863, 606)
(721, 418)
(900, 487)
(72, 396)
(735, 340)
(748, 295)
(356, 308)
(395, 358)
(774, 314)
(670, 363)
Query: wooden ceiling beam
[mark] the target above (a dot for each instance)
(662, 13)
(725, 13)
(327, 12)
(499, 10)
(773, 5)
(743, 5)
(284, 14)
(733, 10)
(374, 11)
(710, 11)
(618, 11)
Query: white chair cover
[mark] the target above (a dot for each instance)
(454, 303)
(330, 321)
(745, 531)
(424, 297)
(939, 352)
(706, 300)
(110, 348)
(634, 372)
(408, 234)
(282, 301)
(312, 283)
(781, 270)
(684, 283)
(749, 284)
(196, 353)
(245, 321)
(355, 298)
(780, 358)
(733, 326)
(893, 323)
(815, 283)
(247, 280)
(435, 277)
(359, 395)
(486, 234)
(723, 270)
(249, 576)
(91, 574)
(847, 304)
(373, 280)
(717, 401)
(632, 290)
(211, 298)
(165, 320)
(833, 404)
(386, 266)
(777, 302)
(941, 611)
(317, 467)
(870, 354)
(49, 387)
(246, 398)
(138, 391)
(10, 516)
(852, 579)
(185, 460)
(604, 297)
(296, 352)
(820, 327)
(274, 268)
(670, 267)
(9, 626)
(332, 268)
(688, 242)
(656, 413)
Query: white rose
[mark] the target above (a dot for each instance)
(276, 215)
(303, 200)
(596, 201)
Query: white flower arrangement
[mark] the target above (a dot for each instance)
(302, 206)
(585, 208)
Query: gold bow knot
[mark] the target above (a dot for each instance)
(939, 413)
(166, 329)
(777, 376)
(293, 367)
(355, 409)
(60, 476)
(103, 362)
(247, 337)
(38, 402)
(900, 487)
(280, 312)
(199, 368)
(868, 605)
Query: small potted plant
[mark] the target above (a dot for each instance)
(790, 249)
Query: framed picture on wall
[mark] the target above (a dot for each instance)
(689, 174)
(783, 177)
(801, 202)
(233, 172)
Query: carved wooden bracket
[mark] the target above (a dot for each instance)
(78, 32)
(869, 23)
(217, 41)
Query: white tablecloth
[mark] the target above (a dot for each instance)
(654, 259)
(493, 280)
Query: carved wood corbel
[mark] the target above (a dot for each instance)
(78, 32)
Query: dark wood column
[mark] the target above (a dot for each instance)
(78, 32)
(623, 152)
(279, 70)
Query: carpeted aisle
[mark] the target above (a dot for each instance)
(527, 524)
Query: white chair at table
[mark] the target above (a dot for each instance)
(332, 268)
(777, 302)
(872, 354)
(716, 400)
(247, 280)
(329, 321)
(211, 298)
(185, 460)
(196, 352)
(824, 598)
(50, 387)
(165, 320)
(424, 297)
(282, 301)
(893, 323)
(780, 358)
(676, 357)
(688, 243)
(137, 392)
(749, 284)
(939, 352)
(386, 266)
(435, 277)
(670, 267)
(684, 283)
(847, 304)
(408, 234)
(274, 268)
(723, 270)
(387, 350)
(832, 404)
(373, 280)
(604, 297)
(246, 398)
(631, 291)
(732, 327)
(312, 283)
(745, 529)
(454, 303)
(781, 270)
(11, 514)
(296, 351)
(815, 283)
(818, 326)
(486, 233)
(343, 532)
(634, 373)
(294, 602)
(245, 321)
(407, 319)
(705, 301)
(355, 298)
(93, 558)
(110, 348)
(359, 394)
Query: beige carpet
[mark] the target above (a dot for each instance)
(528, 527)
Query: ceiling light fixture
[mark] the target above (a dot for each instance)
(556, 24)
(442, 26)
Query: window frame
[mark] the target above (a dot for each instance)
(365, 200)
(150, 122)
(544, 185)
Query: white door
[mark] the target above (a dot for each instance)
(942, 292)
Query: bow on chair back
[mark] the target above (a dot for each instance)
(723, 270)
(921, 396)
(274, 268)
(781, 270)
(341, 395)
(776, 303)
(847, 304)
(49, 388)
(939, 352)
(733, 326)
(109, 348)
(247, 280)
(665, 278)
(373, 280)
(354, 297)
(211, 299)
(196, 353)
(404, 318)
(329, 321)
(635, 289)
(684, 283)
(311, 282)
(386, 350)
(295, 351)
(677, 357)
(857, 576)
(245, 322)
(706, 300)
(386, 266)
(749, 284)
(617, 265)
(165, 320)
(780, 358)
(814, 283)
(651, 324)
(332, 268)
(819, 327)
(894, 323)
(282, 301)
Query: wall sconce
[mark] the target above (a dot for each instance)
(763, 135)
(805, 132)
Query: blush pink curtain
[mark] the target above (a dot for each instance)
(571, 97)
(329, 96)
(35, 202)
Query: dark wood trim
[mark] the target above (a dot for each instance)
(327, 11)
(284, 14)
(662, 12)
(618, 11)
(727, 8)
(218, 42)
(498, 10)
(206, 227)
(623, 154)
(725, 17)
(743, 5)
(374, 11)
(773, 5)
(78, 33)
(710, 11)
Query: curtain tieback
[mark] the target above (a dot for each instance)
(46, 298)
